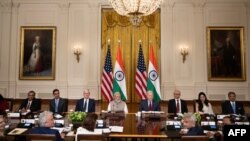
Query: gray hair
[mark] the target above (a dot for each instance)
(190, 116)
(43, 118)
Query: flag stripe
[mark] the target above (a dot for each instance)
(107, 77)
(141, 75)
(119, 83)
(153, 82)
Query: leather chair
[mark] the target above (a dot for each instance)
(195, 138)
(84, 137)
(10, 102)
(40, 137)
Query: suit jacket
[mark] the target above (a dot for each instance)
(197, 130)
(228, 109)
(144, 106)
(62, 106)
(35, 105)
(46, 130)
(91, 105)
(172, 106)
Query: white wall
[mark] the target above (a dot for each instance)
(79, 22)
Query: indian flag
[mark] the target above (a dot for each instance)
(153, 82)
(119, 83)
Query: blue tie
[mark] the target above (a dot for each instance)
(234, 109)
(56, 105)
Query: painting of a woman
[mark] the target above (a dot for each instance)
(37, 53)
(35, 63)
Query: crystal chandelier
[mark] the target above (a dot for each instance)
(135, 9)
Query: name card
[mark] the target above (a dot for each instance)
(13, 115)
(219, 117)
(203, 123)
(242, 123)
(60, 121)
(173, 122)
(32, 121)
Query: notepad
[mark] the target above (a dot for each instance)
(17, 131)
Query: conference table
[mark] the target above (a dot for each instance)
(147, 125)
(151, 126)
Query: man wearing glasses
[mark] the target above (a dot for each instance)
(86, 104)
(31, 103)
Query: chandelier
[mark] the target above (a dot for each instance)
(135, 9)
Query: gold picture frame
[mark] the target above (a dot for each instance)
(226, 54)
(37, 53)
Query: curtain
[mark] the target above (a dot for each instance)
(116, 27)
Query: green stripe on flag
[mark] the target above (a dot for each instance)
(117, 88)
(151, 87)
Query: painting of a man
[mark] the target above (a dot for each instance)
(225, 54)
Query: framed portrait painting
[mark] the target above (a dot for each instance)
(226, 54)
(37, 53)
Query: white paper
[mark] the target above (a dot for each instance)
(116, 128)
(106, 130)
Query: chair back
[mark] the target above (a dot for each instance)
(40, 137)
(195, 138)
(66, 104)
(3, 138)
(84, 137)
(10, 103)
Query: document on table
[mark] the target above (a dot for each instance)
(17, 131)
(116, 128)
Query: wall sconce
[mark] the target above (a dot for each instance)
(77, 52)
(184, 52)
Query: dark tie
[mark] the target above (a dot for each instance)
(150, 106)
(177, 106)
(84, 105)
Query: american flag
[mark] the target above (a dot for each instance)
(107, 78)
(141, 76)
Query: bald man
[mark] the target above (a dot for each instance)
(177, 105)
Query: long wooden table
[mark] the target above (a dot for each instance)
(133, 127)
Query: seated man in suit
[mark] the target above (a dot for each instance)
(190, 128)
(30, 103)
(85, 104)
(149, 104)
(58, 104)
(232, 106)
(177, 105)
(46, 121)
(117, 105)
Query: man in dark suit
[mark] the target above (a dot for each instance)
(58, 104)
(46, 121)
(30, 103)
(177, 105)
(232, 106)
(190, 128)
(149, 104)
(85, 104)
